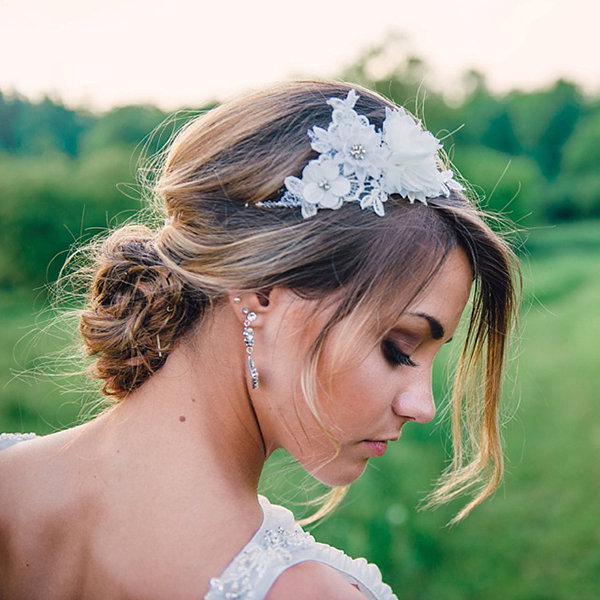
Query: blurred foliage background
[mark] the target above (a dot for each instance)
(65, 175)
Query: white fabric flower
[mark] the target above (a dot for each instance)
(360, 152)
(324, 185)
(350, 140)
(359, 163)
(412, 170)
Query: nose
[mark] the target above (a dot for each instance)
(417, 405)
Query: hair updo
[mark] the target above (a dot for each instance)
(137, 310)
(150, 287)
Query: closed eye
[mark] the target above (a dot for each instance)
(395, 356)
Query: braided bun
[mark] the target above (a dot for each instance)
(137, 310)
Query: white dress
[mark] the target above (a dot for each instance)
(278, 544)
(8, 439)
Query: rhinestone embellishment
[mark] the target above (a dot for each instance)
(248, 335)
(357, 151)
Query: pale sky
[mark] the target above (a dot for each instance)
(186, 52)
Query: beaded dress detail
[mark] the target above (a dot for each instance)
(279, 544)
(10, 439)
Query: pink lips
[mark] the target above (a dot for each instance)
(376, 448)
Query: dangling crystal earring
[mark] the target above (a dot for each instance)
(248, 335)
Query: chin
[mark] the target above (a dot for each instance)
(335, 475)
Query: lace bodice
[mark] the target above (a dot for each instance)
(279, 544)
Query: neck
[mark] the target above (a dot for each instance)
(193, 417)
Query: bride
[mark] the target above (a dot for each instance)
(315, 256)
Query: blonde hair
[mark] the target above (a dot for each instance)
(149, 288)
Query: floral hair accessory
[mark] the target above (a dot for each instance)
(358, 163)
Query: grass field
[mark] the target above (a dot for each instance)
(538, 538)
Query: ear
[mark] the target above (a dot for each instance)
(256, 302)
(261, 303)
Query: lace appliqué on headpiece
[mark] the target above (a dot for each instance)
(358, 163)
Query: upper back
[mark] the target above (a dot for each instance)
(60, 538)
(63, 535)
(30, 525)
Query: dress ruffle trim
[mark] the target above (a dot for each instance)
(365, 574)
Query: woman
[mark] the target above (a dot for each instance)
(295, 297)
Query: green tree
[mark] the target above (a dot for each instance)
(544, 121)
(50, 202)
(126, 126)
(47, 127)
(8, 115)
(575, 194)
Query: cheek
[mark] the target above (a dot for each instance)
(280, 361)
(358, 392)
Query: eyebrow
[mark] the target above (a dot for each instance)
(435, 327)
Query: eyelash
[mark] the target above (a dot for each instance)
(395, 356)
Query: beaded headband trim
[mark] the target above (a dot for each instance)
(358, 163)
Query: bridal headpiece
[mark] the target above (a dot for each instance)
(358, 163)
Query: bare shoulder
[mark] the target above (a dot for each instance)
(14, 478)
(15, 475)
(29, 494)
(23, 464)
(311, 579)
